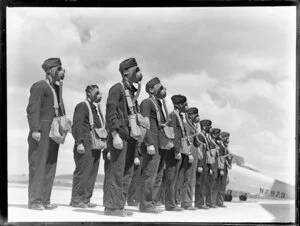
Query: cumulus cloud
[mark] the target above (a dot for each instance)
(238, 69)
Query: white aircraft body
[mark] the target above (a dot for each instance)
(246, 180)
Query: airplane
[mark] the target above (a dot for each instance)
(245, 180)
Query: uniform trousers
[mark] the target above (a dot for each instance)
(134, 188)
(222, 187)
(119, 174)
(85, 173)
(42, 159)
(172, 168)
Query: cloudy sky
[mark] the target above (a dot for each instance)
(237, 65)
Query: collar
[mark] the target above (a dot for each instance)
(90, 102)
(128, 86)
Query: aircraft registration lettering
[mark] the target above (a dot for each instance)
(273, 193)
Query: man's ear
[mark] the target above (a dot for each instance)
(151, 90)
(125, 72)
(48, 72)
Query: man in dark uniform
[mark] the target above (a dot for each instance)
(43, 151)
(152, 164)
(173, 156)
(189, 163)
(159, 187)
(121, 145)
(223, 151)
(213, 177)
(86, 159)
(202, 167)
(133, 198)
(106, 158)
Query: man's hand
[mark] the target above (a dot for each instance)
(170, 145)
(151, 150)
(136, 161)
(80, 149)
(36, 136)
(108, 155)
(200, 169)
(117, 141)
(221, 172)
(178, 156)
(191, 159)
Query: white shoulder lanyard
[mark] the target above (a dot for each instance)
(157, 111)
(54, 97)
(129, 99)
(91, 118)
(180, 123)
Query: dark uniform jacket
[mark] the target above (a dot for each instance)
(204, 147)
(41, 104)
(148, 109)
(81, 124)
(191, 130)
(177, 131)
(117, 110)
(222, 148)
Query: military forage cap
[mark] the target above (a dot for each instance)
(178, 99)
(215, 131)
(152, 83)
(192, 111)
(224, 135)
(51, 62)
(131, 62)
(205, 122)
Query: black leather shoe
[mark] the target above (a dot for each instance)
(50, 206)
(174, 209)
(203, 207)
(151, 210)
(190, 208)
(114, 212)
(36, 207)
(79, 205)
(212, 206)
(91, 205)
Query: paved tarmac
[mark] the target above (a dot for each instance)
(253, 210)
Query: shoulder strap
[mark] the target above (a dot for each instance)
(91, 118)
(180, 123)
(157, 110)
(190, 123)
(128, 99)
(54, 97)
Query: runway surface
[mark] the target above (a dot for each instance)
(253, 210)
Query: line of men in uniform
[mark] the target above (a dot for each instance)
(151, 157)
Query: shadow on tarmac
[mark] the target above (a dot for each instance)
(23, 206)
(282, 212)
(99, 212)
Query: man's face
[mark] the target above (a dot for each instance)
(95, 95)
(183, 107)
(215, 136)
(226, 141)
(194, 118)
(57, 73)
(206, 128)
(159, 91)
(134, 74)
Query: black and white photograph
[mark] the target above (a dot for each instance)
(151, 114)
